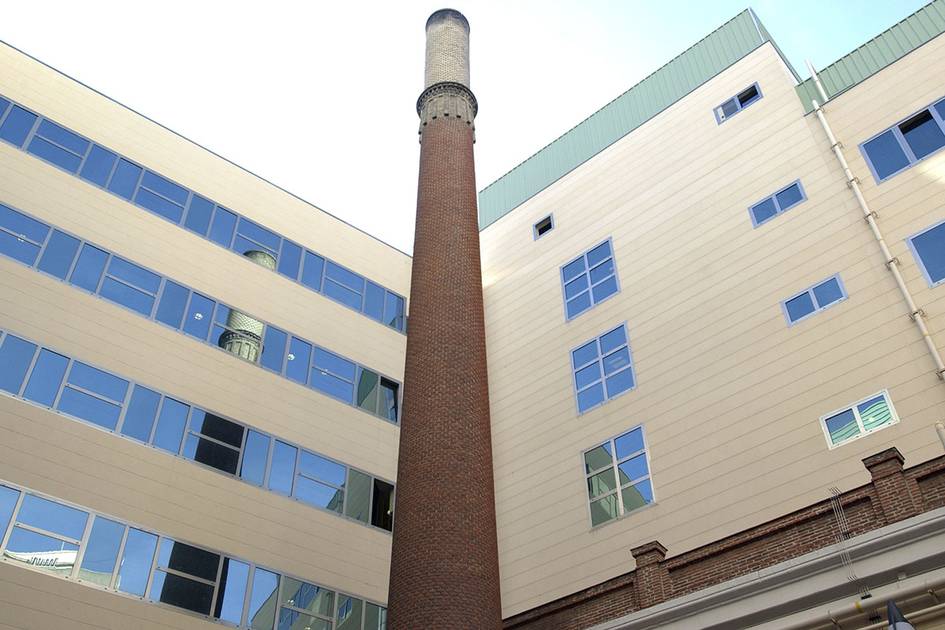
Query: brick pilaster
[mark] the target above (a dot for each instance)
(651, 578)
(898, 494)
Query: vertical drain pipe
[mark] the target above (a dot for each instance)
(892, 263)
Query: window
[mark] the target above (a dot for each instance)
(589, 279)
(21, 237)
(543, 227)
(779, 202)
(737, 103)
(617, 473)
(864, 417)
(95, 164)
(906, 143)
(813, 299)
(602, 368)
(101, 552)
(928, 247)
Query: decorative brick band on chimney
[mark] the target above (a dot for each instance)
(898, 495)
(444, 561)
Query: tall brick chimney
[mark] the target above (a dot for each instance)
(444, 565)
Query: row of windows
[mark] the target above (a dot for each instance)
(89, 267)
(80, 390)
(95, 164)
(102, 552)
(906, 143)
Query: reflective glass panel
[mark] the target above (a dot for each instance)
(259, 235)
(586, 376)
(619, 383)
(182, 592)
(199, 213)
(629, 443)
(8, 499)
(374, 301)
(637, 495)
(127, 296)
(593, 395)
(875, 413)
(764, 210)
(298, 360)
(170, 426)
(98, 166)
(375, 617)
(20, 236)
(98, 381)
(63, 137)
(282, 470)
(602, 271)
(616, 360)
(308, 597)
(136, 562)
(273, 351)
(59, 253)
(221, 230)
(842, 426)
(922, 134)
(728, 108)
(332, 385)
(320, 468)
(199, 316)
(312, 271)
(394, 311)
(612, 340)
(165, 187)
(255, 454)
(341, 293)
(46, 378)
(576, 286)
(170, 309)
(318, 494)
(382, 505)
(15, 357)
(101, 551)
(584, 355)
(233, 583)
(88, 269)
(789, 196)
(41, 551)
(134, 275)
(95, 410)
(17, 126)
(388, 400)
(263, 600)
(358, 502)
(598, 254)
(290, 259)
(367, 396)
(597, 458)
(579, 304)
(604, 510)
(293, 620)
(799, 307)
(828, 292)
(52, 516)
(51, 152)
(139, 418)
(930, 246)
(633, 469)
(886, 155)
(601, 483)
(125, 178)
(605, 289)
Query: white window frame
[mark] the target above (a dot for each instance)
(894, 420)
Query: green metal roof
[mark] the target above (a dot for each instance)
(881, 51)
(710, 56)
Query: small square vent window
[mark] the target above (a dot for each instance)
(544, 226)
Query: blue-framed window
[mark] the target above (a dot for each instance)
(928, 247)
(589, 279)
(813, 299)
(134, 411)
(862, 418)
(906, 143)
(737, 103)
(75, 543)
(602, 368)
(118, 280)
(618, 477)
(775, 204)
(543, 227)
(106, 169)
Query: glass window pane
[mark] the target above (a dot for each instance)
(159, 205)
(165, 187)
(63, 137)
(332, 385)
(273, 352)
(282, 470)
(95, 410)
(170, 309)
(308, 597)
(298, 360)
(187, 559)
(134, 275)
(312, 271)
(8, 499)
(789, 196)
(46, 378)
(15, 357)
(88, 269)
(375, 617)
(576, 286)
(130, 297)
(597, 458)
(349, 613)
(358, 503)
(601, 483)
(748, 96)
(211, 454)
(593, 395)
(632, 469)
(199, 316)
(125, 178)
(764, 210)
(344, 277)
(136, 562)
(59, 254)
(22, 225)
(101, 552)
(52, 153)
(579, 304)
(198, 215)
(382, 507)
(170, 426)
(233, 583)
(612, 340)
(290, 258)
(44, 552)
(598, 254)
(318, 494)
(728, 108)
(4, 103)
(255, 454)
(221, 230)
(52, 516)
(394, 311)
(388, 399)
(637, 495)
(260, 235)
(182, 592)
(263, 600)
(930, 245)
(367, 395)
(922, 134)
(334, 364)
(216, 427)
(18, 248)
(98, 381)
(586, 376)
(98, 166)
(604, 510)
(842, 426)
(629, 443)
(886, 155)
(140, 415)
(321, 468)
(293, 620)
(605, 289)
(799, 307)
(342, 294)
(17, 126)
(585, 354)
(619, 383)
(828, 292)
(602, 271)
(617, 360)
(374, 301)
(875, 413)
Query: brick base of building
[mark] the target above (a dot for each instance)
(893, 494)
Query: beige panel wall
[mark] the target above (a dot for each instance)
(729, 396)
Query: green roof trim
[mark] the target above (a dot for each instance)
(883, 50)
(720, 49)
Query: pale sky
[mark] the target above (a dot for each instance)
(319, 97)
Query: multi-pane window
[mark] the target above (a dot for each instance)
(618, 477)
(118, 280)
(779, 202)
(862, 418)
(589, 279)
(905, 143)
(928, 247)
(602, 368)
(97, 165)
(813, 299)
(77, 544)
(737, 103)
(134, 411)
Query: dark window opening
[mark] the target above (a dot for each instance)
(544, 226)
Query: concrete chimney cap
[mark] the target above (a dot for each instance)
(446, 14)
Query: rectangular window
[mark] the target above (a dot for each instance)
(872, 414)
(161, 196)
(543, 227)
(928, 247)
(58, 146)
(93, 395)
(184, 576)
(779, 202)
(98, 165)
(130, 285)
(320, 482)
(199, 213)
(737, 103)
(21, 237)
(813, 299)
(589, 279)
(253, 237)
(602, 369)
(618, 477)
(59, 253)
(17, 126)
(16, 355)
(345, 286)
(214, 441)
(906, 143)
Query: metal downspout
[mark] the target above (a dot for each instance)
(892, 263)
